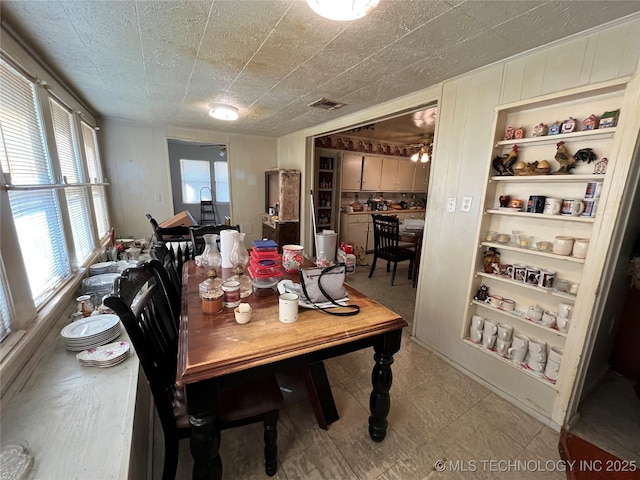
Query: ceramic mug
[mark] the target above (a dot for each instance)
(536, 366)
(536, 204)
(288, 307)
(549, 319)
(505, 332)
(565, 310)
(562, 285)
(547, 278)
(537, 357)
(593, 190)
(488, 341)
(552, 206)
(518, 349)
(495, 301)
(490, 327)
(563, 323)
(551, 370)
(477, 322)
(572, 207)
(507, 305)
(502, 346)
(534, 313)
(563, 245)
(475, 334)
(519, 272)
(590, 207)
(532, 275)
(538, 346)
(580, 247)
(555, 354)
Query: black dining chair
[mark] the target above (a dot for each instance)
(386, 241)
(197, 235)
(167, 258)
(143, 297)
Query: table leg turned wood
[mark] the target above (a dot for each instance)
(381, 379)
(203, 401)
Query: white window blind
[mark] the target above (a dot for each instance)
(222, 181)
(98, 192)
(5, 305)
(195, 175)
(76, 198)
(36, 213)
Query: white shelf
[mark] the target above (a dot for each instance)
(567, 258)
(520, 318)
(602, 133)
(510, 281)
(563, 218)
(492, 353)
(547, 178)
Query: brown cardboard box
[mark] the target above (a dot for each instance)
(182, 218)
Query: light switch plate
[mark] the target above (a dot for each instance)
(451, 205)
(466, 204)
(157, 197)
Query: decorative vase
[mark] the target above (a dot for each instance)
(292, 258)
(239, 256)
(210, 258)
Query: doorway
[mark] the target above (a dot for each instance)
(200, 180)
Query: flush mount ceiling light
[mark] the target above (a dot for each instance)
(342, 10)
(223, 112)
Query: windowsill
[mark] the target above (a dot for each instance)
(78, 421)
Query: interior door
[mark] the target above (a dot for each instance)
(200, 180)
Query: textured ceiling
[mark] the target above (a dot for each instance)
(165, 61)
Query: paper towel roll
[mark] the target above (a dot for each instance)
(226, 244)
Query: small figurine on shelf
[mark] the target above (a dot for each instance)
(609, 119)
(519, 133)
(504, 163)
(569, 125)
(554, 129)
(491, 256)
(483, 293)
(565, 159)
(543, 167)
(508, 133)
(539, 130)
(585, 155)
(590, 123)
(600, 168)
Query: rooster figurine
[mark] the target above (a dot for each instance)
(565, 159)
(504, 163)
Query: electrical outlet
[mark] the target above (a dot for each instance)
(451, 205)
(466, 204)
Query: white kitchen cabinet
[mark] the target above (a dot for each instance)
(578, 104)
(351, 172)
(397, 174)
(421, 177)
(371, 173)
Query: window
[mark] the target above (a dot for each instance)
(222, 181)
(5, 305)
(98, 192)
(194, 176)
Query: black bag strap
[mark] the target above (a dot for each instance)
(354, 309)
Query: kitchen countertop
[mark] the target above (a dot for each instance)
(387, 212)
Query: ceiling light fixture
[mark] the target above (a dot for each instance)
(223, 112)
(342, 10)
(424, 154)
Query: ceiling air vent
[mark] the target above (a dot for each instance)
(327, 104)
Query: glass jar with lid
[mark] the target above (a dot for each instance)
(211, 294)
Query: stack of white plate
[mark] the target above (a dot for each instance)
(91, 332)
(104, 356)
(100, 285)
(102, 267)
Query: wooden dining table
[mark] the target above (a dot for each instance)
(214, 352)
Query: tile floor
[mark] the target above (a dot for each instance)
(437, 414)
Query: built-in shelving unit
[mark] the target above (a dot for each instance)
(326, 191)
(579, 104)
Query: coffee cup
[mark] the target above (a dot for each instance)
(549, 319)
(518, 349)
(555, 354)
(552, 206)
(551, 370)
(505, 270)
(495, 301)
(520, 341)
(475, 335)
(502, 346)
(519, 272)
(593, 190)
(488, 341)
(534, 313)
(505, 332)
(562, 285)
(507, 305)
(590, 207)
(490, 327)
(565, 310)
(536, 204)
(477, 322)
(563, 323)
(538, 346)
(532, 276)
(563, 245)
(572, 207)
(537, 357)
(580, 247)
(536, 366)
(288, 307)
(547, 278)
